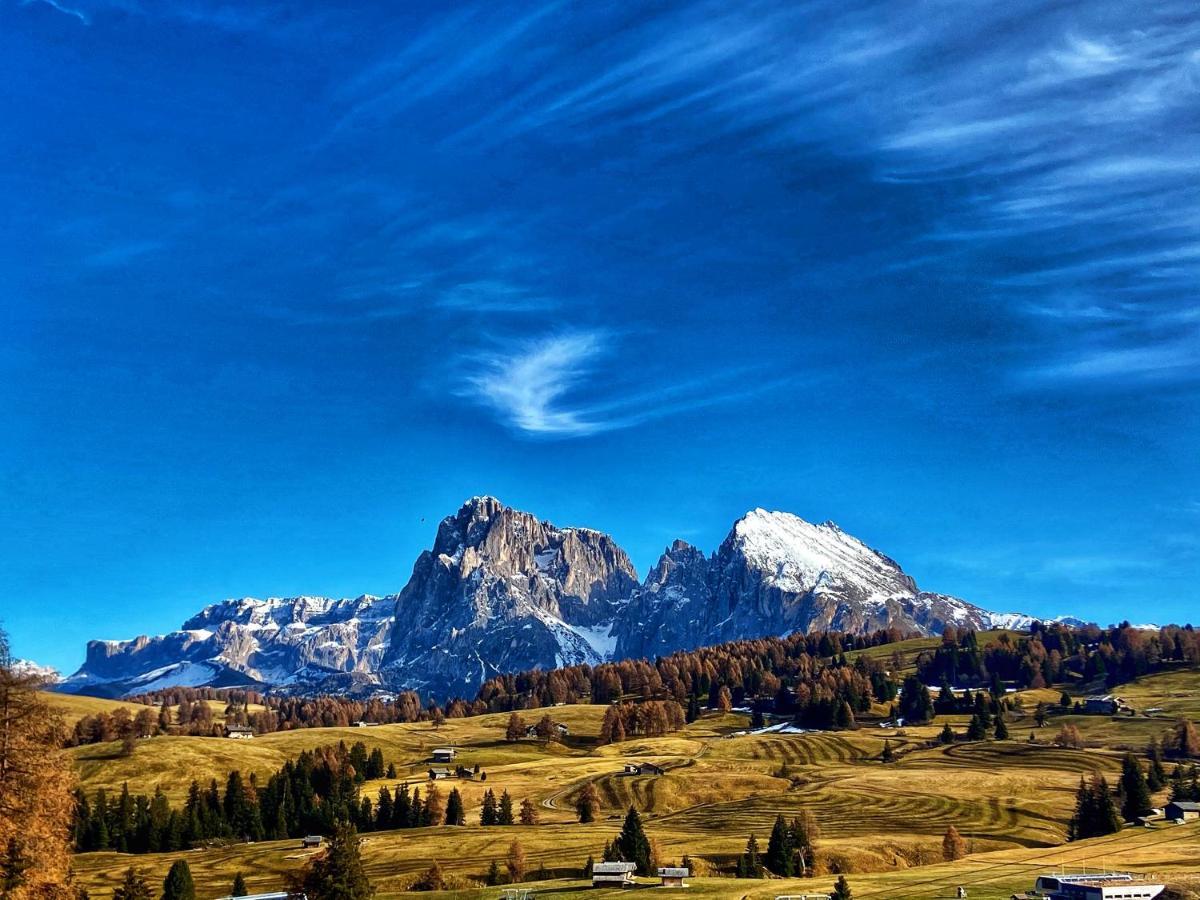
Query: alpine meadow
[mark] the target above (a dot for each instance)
(498, 451)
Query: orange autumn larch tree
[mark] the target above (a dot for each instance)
(35, 791)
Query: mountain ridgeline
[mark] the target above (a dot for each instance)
(502, 591)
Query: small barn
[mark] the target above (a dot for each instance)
(672, 876)
(643, 768)
(437, 773)
(1182, 811)
(311, 841)
(239, 732)
(1107, 705)
(444, 754)
(607, 874)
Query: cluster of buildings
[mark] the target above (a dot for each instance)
(621, 874)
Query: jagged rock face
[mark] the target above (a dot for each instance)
(775, 574)
(504, 591)
(299, 642)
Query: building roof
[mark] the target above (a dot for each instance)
(439, 771)
(1185, 805)
(613, 868)
(673, 872)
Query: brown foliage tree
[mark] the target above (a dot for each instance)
(35, 787)
(953, 845)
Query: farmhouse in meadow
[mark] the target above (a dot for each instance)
(311, 841)
(239, 732)
(607, 874)
(444, 754)
(437, 773)
(672, 876)
(1106, 705)
(644, 768)
(1182, 811)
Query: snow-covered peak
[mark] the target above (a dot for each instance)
(26, 668)
(799, 556)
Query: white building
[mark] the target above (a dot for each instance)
(606, 874)
(1107, 886)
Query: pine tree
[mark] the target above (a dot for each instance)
(888, 755)
(1001, 729)
(487, 813)
(338, 873)
(178, 883)
(432, 879)
(749, 863)
(1039, 715)
(632, 843)
(953, 846)
(132, 887)
(804, 835)
(1156, 777)
(841, 890)
(493, 874)
(977, 730)
(504, 814)
(1135, 793)
(947, 735)
(455, 813)
(1095, 813)
(589, 866)
(779, 849)
(239, 886)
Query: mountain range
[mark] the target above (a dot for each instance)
(502, 591)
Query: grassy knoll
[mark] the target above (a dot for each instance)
(1010, 800)
(73, 707)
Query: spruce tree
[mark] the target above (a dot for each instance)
(779, 849)
(632, 843)
(178, 884)
(487, 813)
(338, 873)
(947, 735)
(132, 887)
(841, 890)
(493, 874)
(749, 863)
(1001, 729)
(504, 814)
(1135, 793)
(239, 886)
(455, 813)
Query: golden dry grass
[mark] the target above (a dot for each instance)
(1010, 800)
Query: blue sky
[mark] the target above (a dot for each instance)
(283, 285)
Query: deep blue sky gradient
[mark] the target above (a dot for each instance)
(281, 286)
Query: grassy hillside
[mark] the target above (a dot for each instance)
(1011, 800)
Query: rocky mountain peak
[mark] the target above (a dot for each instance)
(501, 590)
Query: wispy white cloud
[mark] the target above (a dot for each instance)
(1070, 132)
(62, 8)
(557, 386)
